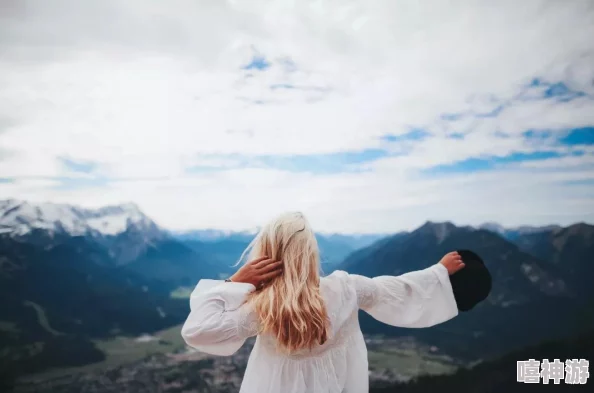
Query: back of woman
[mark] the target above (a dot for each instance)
(308, 335)
(322, 368)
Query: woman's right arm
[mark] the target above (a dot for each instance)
(214, 325)
(417, 299)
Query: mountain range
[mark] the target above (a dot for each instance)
(527, 291)
(227, 246)
(70, 275)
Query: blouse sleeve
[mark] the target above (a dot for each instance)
(217, 323)
(417, 299)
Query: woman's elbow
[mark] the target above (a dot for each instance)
(208, 347)
(436, 318)
(202, 339)
(196, 335)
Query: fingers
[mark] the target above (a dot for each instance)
(258, 260)
(269, 270)
(267, 276)
(270, 267)
(455, 256)
(264, 263)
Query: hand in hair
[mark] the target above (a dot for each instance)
(258, 272)
(452, 261)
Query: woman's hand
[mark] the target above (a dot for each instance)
(452, 261)
(258, 272)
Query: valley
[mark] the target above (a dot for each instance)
(95, 303)
(390, 361)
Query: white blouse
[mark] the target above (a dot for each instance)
(219, 323)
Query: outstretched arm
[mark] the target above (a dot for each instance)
(417, 299)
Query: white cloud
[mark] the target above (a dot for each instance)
(144, 87)
(363, 202)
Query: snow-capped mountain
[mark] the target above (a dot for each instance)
(22, 217)
(124, 231)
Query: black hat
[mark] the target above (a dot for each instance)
(472, 283)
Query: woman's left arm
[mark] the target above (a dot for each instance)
(214, 325)
(417, 299)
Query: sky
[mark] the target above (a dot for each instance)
(367, 116)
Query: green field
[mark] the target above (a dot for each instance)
(181, 293)
(389, 354)
(408, 361)
(122, 350)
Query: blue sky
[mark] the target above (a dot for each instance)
(565, 143)
(369, 117)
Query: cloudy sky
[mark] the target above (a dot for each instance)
(368, 116)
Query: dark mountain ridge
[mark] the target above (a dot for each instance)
(224, 248)
(570, 249)
(525, 290)
(111, 272)
(57, 299)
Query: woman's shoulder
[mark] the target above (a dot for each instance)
(336, 275)
(339, 281)
(340, 292)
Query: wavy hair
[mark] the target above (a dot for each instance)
(290, 307)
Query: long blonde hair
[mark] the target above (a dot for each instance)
(290, 307)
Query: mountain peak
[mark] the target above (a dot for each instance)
(514, 232)
(433, 225)
(129, 208)
(581, 229)
(441, 230)
(493, 227)
(21, 217)
(126, 206)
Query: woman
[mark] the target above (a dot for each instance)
(307, 328)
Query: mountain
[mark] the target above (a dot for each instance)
(129, 238)
(224, 248)
(123, 230)
(514, 233)
(525, 276)
(525, 290)
(22, 217)
(499, 375)
(223, 253)
(567, 248)
(177, 264)
(56, 299)
(215, 235)
(334, 248)
(70, 275)
(570, 249)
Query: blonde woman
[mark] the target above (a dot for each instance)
(307, 328)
